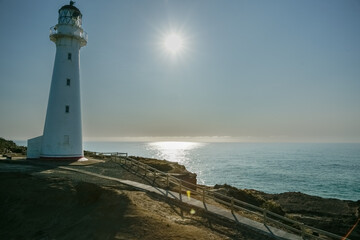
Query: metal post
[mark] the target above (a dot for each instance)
(232, 205)
(204, 195)
(264, 212)
(302, 230)
(167, 180)
(180, 191)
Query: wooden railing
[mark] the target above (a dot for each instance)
(112, 155)
(202, 193)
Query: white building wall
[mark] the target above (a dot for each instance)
(34, 147)
(63, 130)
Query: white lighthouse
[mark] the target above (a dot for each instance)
(62, 136)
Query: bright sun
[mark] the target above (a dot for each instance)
(173, 43)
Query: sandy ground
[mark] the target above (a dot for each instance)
(38, 203)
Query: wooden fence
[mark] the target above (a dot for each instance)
(202, 193)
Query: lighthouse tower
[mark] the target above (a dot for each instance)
(62, 136)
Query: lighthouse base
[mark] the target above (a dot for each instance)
(62, 158)
(34, 152)
(34, 148)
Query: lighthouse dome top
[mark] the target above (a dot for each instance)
(69, 14)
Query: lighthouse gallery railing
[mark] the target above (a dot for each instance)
(81, 34)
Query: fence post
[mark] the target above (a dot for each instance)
(180, 191)
(302, 230)
(204, 196)
(232, 205)
(264, 214)
(167, 180)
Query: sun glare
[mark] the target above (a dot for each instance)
(173, 43)
(174, 151)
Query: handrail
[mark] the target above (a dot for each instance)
(112, 154)
(233, 203)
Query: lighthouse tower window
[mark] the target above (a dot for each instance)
(68, 82)
(67, 108)
(69, 56)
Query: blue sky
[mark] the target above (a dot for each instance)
(252, 70)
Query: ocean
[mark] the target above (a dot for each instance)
(330, 170)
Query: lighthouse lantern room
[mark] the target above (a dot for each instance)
(62, 136)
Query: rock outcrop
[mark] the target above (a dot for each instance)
(173, 168)
(332, 215)
(9, 148)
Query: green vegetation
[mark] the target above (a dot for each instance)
(90, 154)
(8, 147)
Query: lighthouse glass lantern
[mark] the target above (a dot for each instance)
(70, 15)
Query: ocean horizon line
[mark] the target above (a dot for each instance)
(269, 167)
(211, 139)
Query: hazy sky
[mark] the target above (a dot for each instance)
(254, 70)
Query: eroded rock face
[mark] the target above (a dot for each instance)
(332, 215)
(162, 165)
(297, 202)
(249, 196)
(173, 168)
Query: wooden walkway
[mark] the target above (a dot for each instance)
(152, 174)
(248, 223)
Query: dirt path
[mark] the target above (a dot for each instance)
(38, 203)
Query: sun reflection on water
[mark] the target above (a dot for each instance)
(174, 151)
